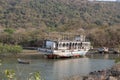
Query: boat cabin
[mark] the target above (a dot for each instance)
(77, 43)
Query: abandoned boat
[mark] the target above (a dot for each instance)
(65, 48)
(23, 61)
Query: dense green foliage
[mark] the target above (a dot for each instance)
(14, 49)
(27, 22)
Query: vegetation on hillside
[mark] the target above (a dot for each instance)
(27, 22)
(57, 13)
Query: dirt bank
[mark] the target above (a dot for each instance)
(24, 54)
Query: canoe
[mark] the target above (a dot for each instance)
(23, 61)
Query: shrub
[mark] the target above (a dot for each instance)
(9, 30)
(10, 74)
(35, 76)
(117, 60)
(16, 49)
(0, 63)
(5, 48)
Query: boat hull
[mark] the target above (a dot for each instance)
(63, 53)
(23, 61)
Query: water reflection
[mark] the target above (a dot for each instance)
(57, 69)
(80, 66)
(106, 56)
(71, 67)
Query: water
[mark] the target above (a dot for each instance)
(56, 69)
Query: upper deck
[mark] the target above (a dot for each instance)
(78, 42)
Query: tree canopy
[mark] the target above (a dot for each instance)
(27, 22)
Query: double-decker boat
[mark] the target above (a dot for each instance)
(65, 48)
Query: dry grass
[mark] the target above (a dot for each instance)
(29, 51)
(77, 77)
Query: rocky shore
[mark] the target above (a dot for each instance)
(108, 74)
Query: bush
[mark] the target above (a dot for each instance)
(0, 63)
(117, 60)
(14, 49)
(9, 30)
(10, 74)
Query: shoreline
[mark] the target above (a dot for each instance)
(112, 73)
(32, 53)
(24, 54)
(108, 74)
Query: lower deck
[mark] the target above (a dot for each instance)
(63, 53)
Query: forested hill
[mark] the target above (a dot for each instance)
(58, 13)
(28, 22)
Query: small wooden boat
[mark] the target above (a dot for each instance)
(23, 61)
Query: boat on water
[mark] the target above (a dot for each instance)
(23, 61)
(65, 48)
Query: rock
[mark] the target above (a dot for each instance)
(102, 77)
(116, 67)
(112, 78)
(108, 74)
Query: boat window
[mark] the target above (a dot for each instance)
(63, 44)
(60, 44)
(75, 44)
(67, 44)
(72, 44)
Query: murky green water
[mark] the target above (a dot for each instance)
(57, 69)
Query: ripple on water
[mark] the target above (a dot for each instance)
(57, 69)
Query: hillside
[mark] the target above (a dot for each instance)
(57, 13)
(27, 22)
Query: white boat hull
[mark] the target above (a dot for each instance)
(63, 53)
(71, 53)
